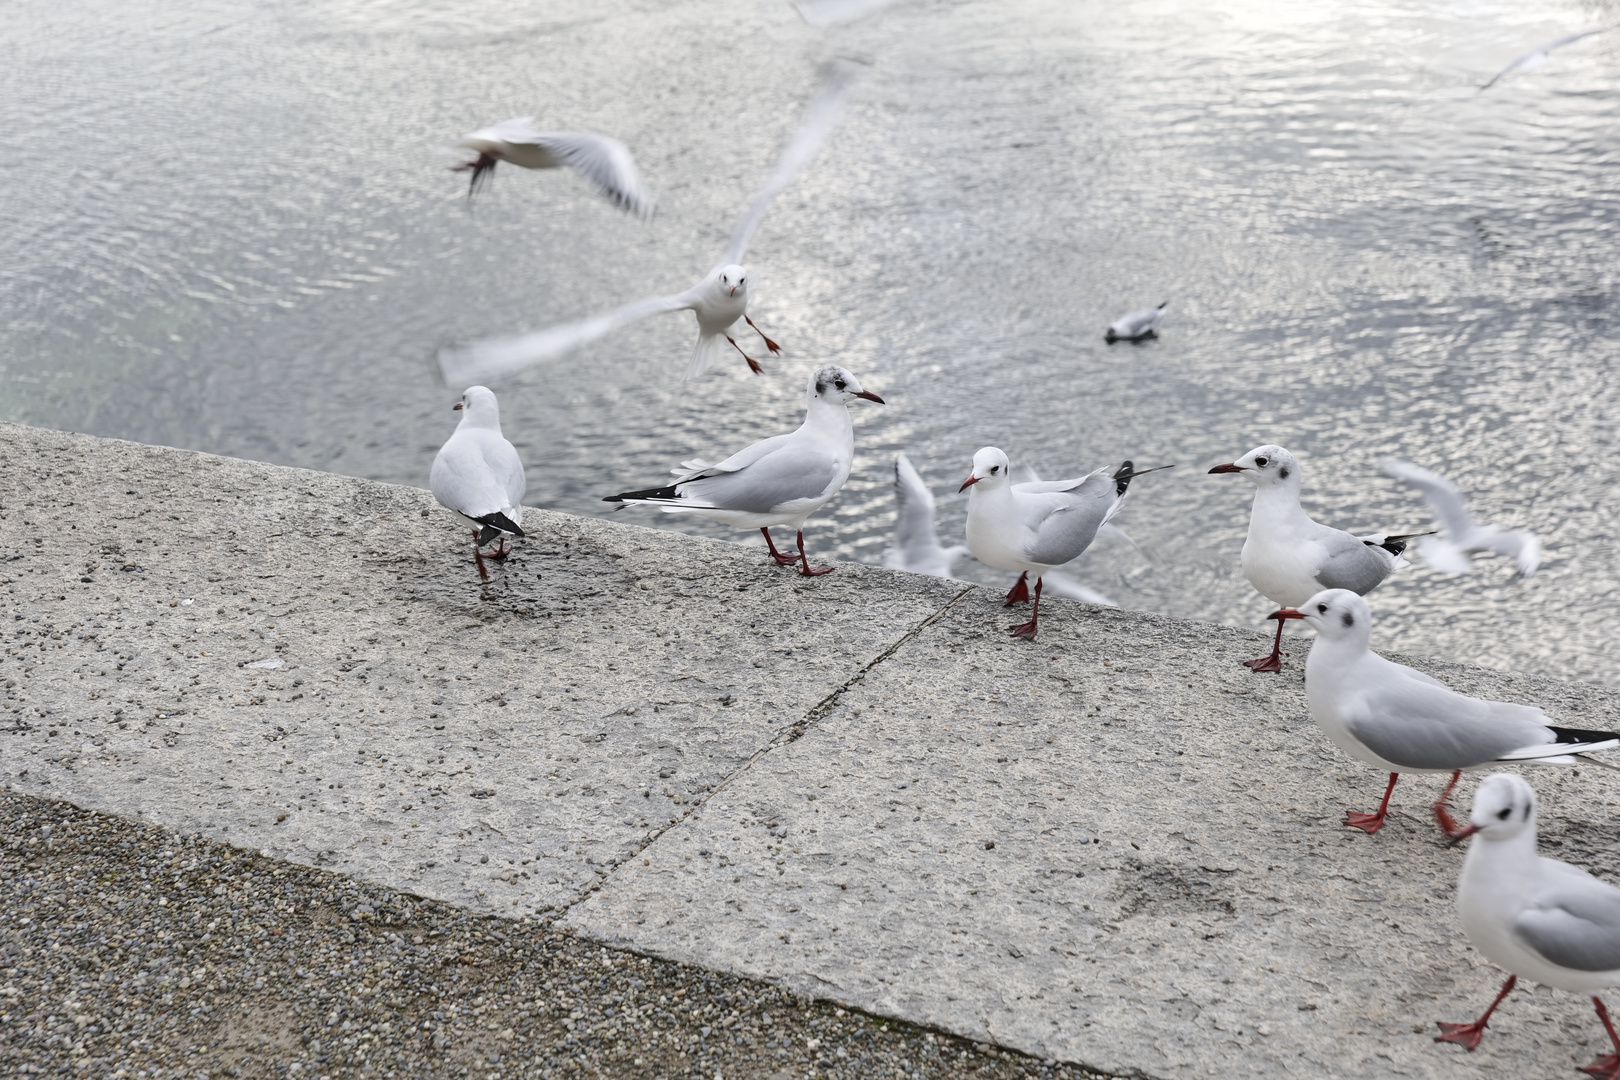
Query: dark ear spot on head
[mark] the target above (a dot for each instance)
(821, 387)
(1283, 472)
(1348, 619)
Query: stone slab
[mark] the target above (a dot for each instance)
(418, 724)
(1117, 847)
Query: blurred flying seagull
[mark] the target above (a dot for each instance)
(916, 543)
(1137, 325)
(1538, 56)
(1449, 553)
(605, 162)
(720, 300)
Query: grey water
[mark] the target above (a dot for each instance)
(231, 226)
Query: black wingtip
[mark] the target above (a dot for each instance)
(1128, 472)
(1396, 545)
(1580, 735)
(647, 493)
(494, 525)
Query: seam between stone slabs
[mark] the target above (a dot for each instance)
(817, 712)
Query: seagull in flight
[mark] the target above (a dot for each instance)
(1538, 56)
(1537, 917)
(1137, 325)
(720, 300)
(916, 543)
(1289, 558)
(479, 477)
(1449, 553)
(605, 162)
(777, 481)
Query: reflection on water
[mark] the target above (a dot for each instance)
(231, 226)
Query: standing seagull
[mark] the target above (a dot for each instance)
(1538, 56)
(720, 300)
(1449, 553)
(1537, 917)
(1136, 326)
(605, 162)
(1289, 558)
(777, 481)
(1032, 528)
(478, 475)
(916, 543)
(1400, 720)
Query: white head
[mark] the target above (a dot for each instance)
(1504, 807)
(991, 470)
(1265, 466)
(478, 408)
(733, 280)
(836, 386)
(1335, 615)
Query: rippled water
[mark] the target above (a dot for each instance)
(229, 226)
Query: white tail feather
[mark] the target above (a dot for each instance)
(705, 354)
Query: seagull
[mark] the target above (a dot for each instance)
(1289, 558)
(1541, 918)
(1538, 56)
(1135, 326)
(720, 300)
(479, 477)
(1400, 720)
(777, 481)
(837, 12)
(1449, 553)
(605, 162)
(916, 544)
(1032, 528)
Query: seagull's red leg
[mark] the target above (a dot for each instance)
(1443, 819)
(1606, 1067)
(753, 364)
(807, 570)
(781, 559)
(1468, 1035)
(1027, 630)
(478, 557)
(1272, 663)
(1019, 593)
(1371, 823)
(776, 350)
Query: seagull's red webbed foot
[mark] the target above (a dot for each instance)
(503, 548)
(1019, 593)
(753, 365)
(1271, 664)
(1468, 1035)
(1029, 629)
(790, 558)
(806, 570)
(776, 350)
(1606, 1067)
(1371, 823)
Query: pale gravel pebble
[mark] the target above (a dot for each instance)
(133, 950)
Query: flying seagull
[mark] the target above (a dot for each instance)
(1449, 553)
(605, 162)
(720, 300)
(1538, 56)
(1137, 325)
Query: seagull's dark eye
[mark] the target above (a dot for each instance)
(995, 468)
(1504, 813)
(1321, 609)
(839, 384)
(1348, 619)
(1261, 462)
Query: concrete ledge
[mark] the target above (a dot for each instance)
(676, 747)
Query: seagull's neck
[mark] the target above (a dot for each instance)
(1277, 511)
(1500, 867)
(474, 421)
(829, 421)
(996, 500)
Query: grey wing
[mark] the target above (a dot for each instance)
(507, 468)
(1351, 564)
(1070, 527)
(1413, 721)
(1443, 496)
(782, 476)
(820, 117)
(1575, 922)
(461, 480)
(466, 365)
(1542, 51)
(1524, 548)
(603, 161)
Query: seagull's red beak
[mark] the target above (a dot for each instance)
(456, 407)
(1462, 834)
(1284, 614)
(969, 482)
(1228, 467)
(869, 396)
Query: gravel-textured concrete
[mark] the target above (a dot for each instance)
(132, 950)
(1114, 847)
